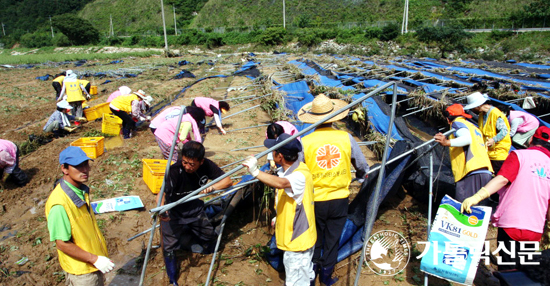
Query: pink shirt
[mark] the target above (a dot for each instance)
(114, 95)
(8, 155)
(204, 103)
(288, 128)
(524, 203)
(166, 114)
(166, 131)
(530, 122)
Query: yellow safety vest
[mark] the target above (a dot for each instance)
(124, 102)
(295, 226)
(84, 231)
(327, 154)
(59, 79)
(500, 150)
(469, 158)
(73, 91)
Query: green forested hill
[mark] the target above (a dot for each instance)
(143, 16)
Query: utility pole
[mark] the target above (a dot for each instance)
(111, 28)
(3, 31)
(51, 26)
(175, 23)
(405, 23)
(164, 25)
(284, 15)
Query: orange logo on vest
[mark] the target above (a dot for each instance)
(328, 157)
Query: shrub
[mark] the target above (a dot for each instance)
(61, 40)
(272, 36)
(214, 40)
(308, 37)
(389, 32)
(36, 40)
(373, 33)
(447, 38)
(500, 35)
(78, 30)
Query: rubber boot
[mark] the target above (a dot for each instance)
(126, 133)
(171, 263)
(325, 276)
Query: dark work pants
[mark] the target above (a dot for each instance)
(504, 238)
(330, 219)
(127, 121)
(57, 86)
(174, 234)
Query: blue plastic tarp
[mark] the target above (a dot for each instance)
(379, 120)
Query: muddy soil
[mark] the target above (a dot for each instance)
(26, 106)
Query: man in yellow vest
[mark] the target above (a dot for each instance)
(329, 154)
(295, 230)
(72, 224)
(495, 128)
(469, 160)
(75, 91)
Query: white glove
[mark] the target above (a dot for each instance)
(104, 264)
(223, 131)
(141, 118)
(252, 164)
(148, 117)
(88, 96)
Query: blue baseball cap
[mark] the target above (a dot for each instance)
(73, 156)
(291, 148)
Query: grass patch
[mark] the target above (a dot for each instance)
(52, 56)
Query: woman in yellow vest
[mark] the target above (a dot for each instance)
(495, 128)
(129, 106)
(329, 154)
(57, 83)
(469, 160)
(295, 230)
(81, 247)
(75, 91)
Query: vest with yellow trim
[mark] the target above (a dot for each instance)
(469, 158)
(73, 91)
(327, 154)
(85, 232)
(295, 225)
(500, 150)
(124, 102)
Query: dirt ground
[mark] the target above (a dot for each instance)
(26, 106)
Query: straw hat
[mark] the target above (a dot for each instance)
(320, 107)
(140, 93)
(475, 99)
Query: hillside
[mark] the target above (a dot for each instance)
(143, 16)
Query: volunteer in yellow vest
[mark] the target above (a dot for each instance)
(295, 230)
(469, 160)
(72, 224)
(128, 107)
(495, 128)
(75, 91)
(329, 154)
(57, 83)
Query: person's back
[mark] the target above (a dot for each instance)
(124, 102)
(327, 153)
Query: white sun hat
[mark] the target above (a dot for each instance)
(475, 99)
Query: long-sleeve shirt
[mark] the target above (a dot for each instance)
(501, 128)
(60, 117)
(358, 159)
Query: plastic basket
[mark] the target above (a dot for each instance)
(153, 173)
(92, 146)
(111, 124)
(97, 111)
